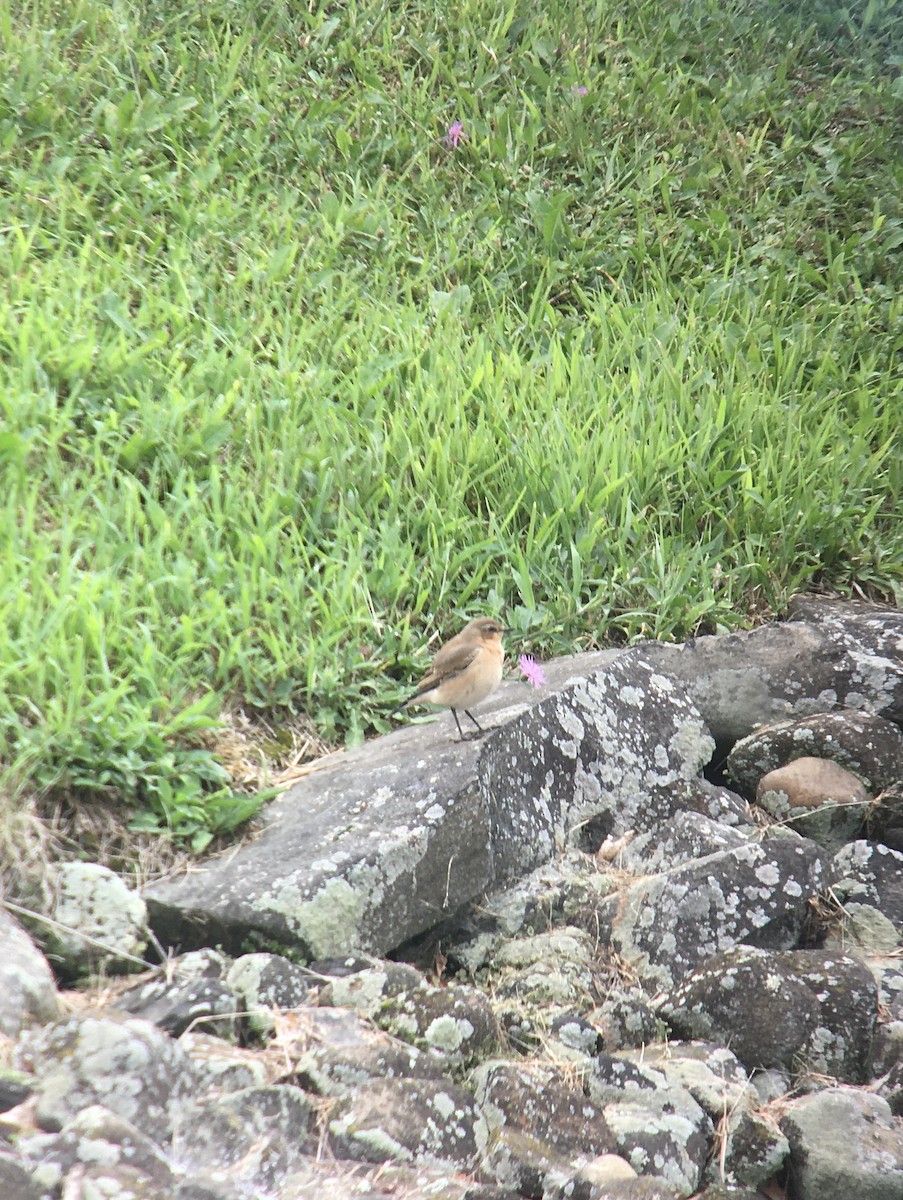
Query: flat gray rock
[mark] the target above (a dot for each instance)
(377, 846)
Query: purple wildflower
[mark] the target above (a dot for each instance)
(579, 89)
(532, 670)
(455, 132)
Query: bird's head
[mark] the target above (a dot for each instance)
(486, 628)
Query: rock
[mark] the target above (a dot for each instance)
(252, 1138)
(364, 855)
(334, 1051)
(599, 759)
(817, 798)
(668, 924)
(263, 982)
(106, 922)
(754, 1150)
(381, 843)
(176, 1006)
(686, 837)
(844, 1143)
(670, 1146)
(123, 1063)
(887, 1065)
(27, 990)
(829, 655)
(712, 1075)
(552, 969)
(364, 982)
(781, 1009)
(15, 1179)
(97, 1136)
(658, 1126)
(219, 1066)
(870, 875)
(455, 1022)
(541, 1127)
(885, 823)
(625, 1018)
(403, 1119)
(868, 746)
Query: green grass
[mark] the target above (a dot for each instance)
(286, 386)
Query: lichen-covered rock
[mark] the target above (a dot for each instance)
(601, 758)
(552, 969)
(220, 1066)
(334, 1051)
(365, 983)
(626, 1018)
(668, 924)
(685, 837)
(123, 1063)
(252, 1138)
(870, 874)
(27, 990)
(99, 918)
(844, 1142)
(817, 798)
(754, 1150)
(556, 1127)
(456, 1022)
(95, 1136)
(658, 1126)
(887, 1065)
(781, 1009)
(15, 1179)
(176, 1006)
(670, 1143)
(869, 746)
(712, 1074)
(263, 982)
(403, 1119)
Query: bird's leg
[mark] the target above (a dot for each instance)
(476, 722)
(458, 723)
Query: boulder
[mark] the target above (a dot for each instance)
(27, 990)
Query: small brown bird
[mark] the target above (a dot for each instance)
(464, 671)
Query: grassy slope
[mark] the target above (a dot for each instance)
(286, 385)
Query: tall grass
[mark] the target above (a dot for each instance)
(287, 385)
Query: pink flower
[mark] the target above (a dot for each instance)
(455, 132)
(579, 90)
(532, 670)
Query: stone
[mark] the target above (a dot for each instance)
(220, 1066)
(712, 1074)
(383, 843)
(870, 874)
(686, 837)
(403, 1119)
(541, 1127)
(456, 1022)
(27, 990)
(785, 1010)
(599, 759)
(123, 1063)
(754, 1150)
(668, 924)
(843, 1142)
(96, 1135)
(177, 1006)
(868, 746)
(251, 1138)
(670, 1145)
(264, 982)
(106, 922)
(887, 1065)
(817, 798)
(15, 1179)
(334, 1051)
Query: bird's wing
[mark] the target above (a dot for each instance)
(450, 661)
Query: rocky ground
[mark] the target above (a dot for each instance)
(643, 940)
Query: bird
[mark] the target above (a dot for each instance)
(464, 671)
